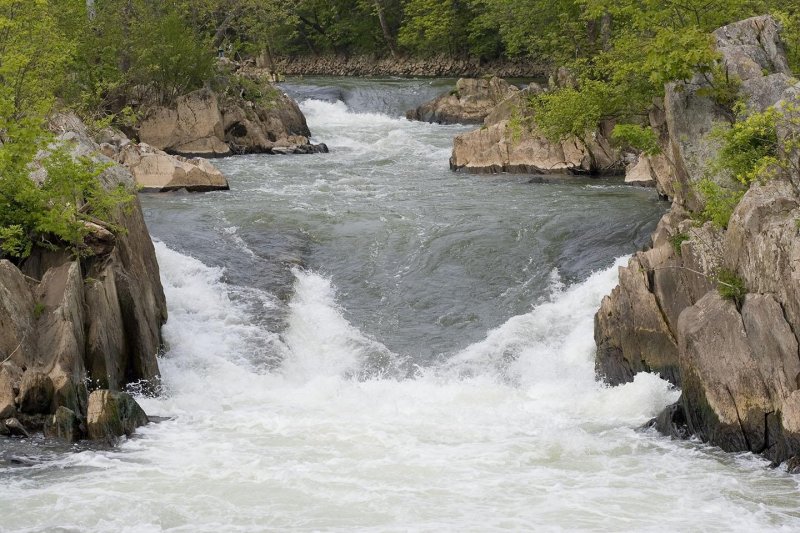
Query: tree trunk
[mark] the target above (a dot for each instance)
(387, 33)
(90, 10)
(605, 31)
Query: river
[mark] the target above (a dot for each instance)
(364, 340)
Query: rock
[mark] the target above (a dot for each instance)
(274, 125)
(762, 246)
(113, 414)
(672, 422)
(469, 103)
(640, 173)
(793, 465)
(10, 378)
(204, 124)
(502, 147)
(99, 239)
(752, 46)
(751, 52)
(192, 128)
(58, 316)
(14, 428)
(737, 362)
(631, 333)
(157, 171)
(35, 393)
(433, 66)
(64, 425)
(17, 320)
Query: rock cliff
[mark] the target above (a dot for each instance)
(717, 311)
(74, 325)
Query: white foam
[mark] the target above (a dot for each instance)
(526, 441)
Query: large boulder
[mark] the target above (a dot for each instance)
(469, 103)
(509, 141)
(157, 171)
(113, 414)
(204, 124)
(192, 127)
(510, 147)
(272, 125)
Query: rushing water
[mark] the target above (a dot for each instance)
(365, 340)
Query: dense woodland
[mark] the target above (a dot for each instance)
(109, 59)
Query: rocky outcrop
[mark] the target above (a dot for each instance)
(72, 324)
(193, 127)
(203, 124)
(157, 171)
(469, 103)
(717, 311)
(272, 125)
(509, 141)
(437, 66)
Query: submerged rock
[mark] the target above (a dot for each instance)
(113, 414)
(469, 103)
(13, 428)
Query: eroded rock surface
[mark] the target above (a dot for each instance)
(509, 141)
(157, 171)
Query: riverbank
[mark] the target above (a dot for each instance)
(437, 66)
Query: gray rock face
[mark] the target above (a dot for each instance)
(113, 414)
(66, 322)
(752, 54)
(750, 47)
(469, 103)
(738, 365)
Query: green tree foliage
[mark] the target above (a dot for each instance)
(37, 47)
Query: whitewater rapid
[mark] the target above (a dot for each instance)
(363, 341)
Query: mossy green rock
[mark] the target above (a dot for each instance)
(64, 424)
(113, 414)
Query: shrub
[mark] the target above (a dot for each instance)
(731, 286)
(720, 202)
(641, 138)
(749, 148)
(54, 215)
(676, 241)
